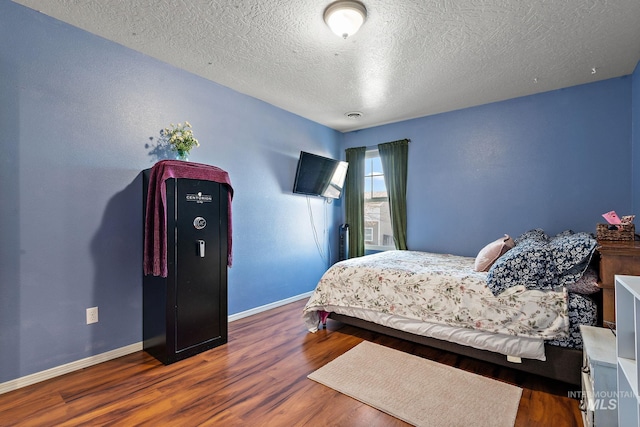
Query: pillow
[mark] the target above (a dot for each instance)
(587, 284)
(572, 254)
(540, 262)
(490, 253)
(537, 235)
(529, 263)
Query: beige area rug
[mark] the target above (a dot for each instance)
(419, 391)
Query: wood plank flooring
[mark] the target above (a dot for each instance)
(259, 378)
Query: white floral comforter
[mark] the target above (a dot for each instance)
(437, 288)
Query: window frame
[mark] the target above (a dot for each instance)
(369, 154)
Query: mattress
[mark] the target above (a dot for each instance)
(441, 296)
(508, 345)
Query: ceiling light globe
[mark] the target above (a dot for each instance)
(345, 17)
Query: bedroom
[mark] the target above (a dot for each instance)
(70, 202)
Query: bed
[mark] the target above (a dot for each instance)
(519, 303)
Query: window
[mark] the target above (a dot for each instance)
(377, 219)
(368, 234)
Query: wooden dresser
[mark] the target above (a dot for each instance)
(616, 257)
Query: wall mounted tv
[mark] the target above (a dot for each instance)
(319, 176)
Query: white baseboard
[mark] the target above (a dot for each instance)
(270, 306)
(122, 351)
(69, 367)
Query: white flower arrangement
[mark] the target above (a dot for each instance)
(180, 137)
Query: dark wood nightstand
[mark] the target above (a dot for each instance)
(616, 257)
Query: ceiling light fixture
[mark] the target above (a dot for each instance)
(345, 17)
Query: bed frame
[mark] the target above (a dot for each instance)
(562, 364)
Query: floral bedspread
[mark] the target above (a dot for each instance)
(438, 288)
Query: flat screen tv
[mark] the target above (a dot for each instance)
(319, 176)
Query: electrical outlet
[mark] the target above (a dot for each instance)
(92, 315)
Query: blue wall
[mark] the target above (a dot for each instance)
(77, 115)
(556, 160)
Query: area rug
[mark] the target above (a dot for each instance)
(419, 391)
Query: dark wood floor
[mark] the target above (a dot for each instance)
(259, 378)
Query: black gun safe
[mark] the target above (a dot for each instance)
(186, 312)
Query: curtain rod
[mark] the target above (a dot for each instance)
(375, 147)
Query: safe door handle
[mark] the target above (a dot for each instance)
(201, 248)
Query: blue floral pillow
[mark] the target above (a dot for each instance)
(540, 262)
(528, 263)
(537, 235)
(572, 254)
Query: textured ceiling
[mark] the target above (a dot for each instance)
(410, 59)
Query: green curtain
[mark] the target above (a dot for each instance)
(394, 157)
(354, 200)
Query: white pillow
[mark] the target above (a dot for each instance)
(490, 253)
